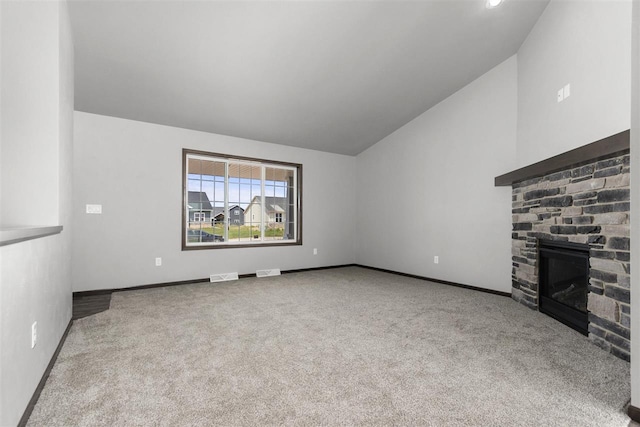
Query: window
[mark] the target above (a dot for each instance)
(265, 197)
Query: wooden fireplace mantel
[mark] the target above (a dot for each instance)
(606, 147)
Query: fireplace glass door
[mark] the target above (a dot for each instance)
(564, 282)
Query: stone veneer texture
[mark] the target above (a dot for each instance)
(587, 204)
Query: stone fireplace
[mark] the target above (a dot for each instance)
(585, 204)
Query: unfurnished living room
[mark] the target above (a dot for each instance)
(247, 213)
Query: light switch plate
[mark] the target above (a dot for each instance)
(94, 209)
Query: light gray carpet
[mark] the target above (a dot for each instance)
(346, 346)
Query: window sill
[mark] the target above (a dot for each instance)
(241, 245)
(11, 235)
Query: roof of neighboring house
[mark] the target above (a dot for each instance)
(272, 204)
(199, 201)
(217, 211)
(276, 204)
(274, 208)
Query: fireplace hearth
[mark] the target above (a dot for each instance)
(564, 283)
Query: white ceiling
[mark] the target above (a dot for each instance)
(332, 76)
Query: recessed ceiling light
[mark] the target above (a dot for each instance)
(493, 3)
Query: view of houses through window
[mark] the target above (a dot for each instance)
(231, 201)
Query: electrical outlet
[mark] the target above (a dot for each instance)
(436, 259)
(158, 262)
(34, 334)
(315, 251)
(560, 94)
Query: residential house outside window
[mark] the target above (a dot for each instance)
(265, 197)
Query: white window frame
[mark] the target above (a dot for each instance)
(263, 164)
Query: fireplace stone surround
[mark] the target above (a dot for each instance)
(586, 201)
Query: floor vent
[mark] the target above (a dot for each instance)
(267, 273)
(223, 277)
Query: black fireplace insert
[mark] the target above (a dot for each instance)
(564, 283)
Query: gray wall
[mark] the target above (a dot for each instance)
(440, 168)
(134, 170)
(587, 44)
(36, 146)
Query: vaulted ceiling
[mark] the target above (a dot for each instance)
(334, 76)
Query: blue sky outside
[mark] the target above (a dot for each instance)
(241, 190)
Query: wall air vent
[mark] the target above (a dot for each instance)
(267, 273)
(223, 277)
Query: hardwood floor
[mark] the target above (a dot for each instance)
(87, 304)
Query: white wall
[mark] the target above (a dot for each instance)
(25, 117)
(134, 170)
(586, 44)
(436, 174)
(36, 144)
